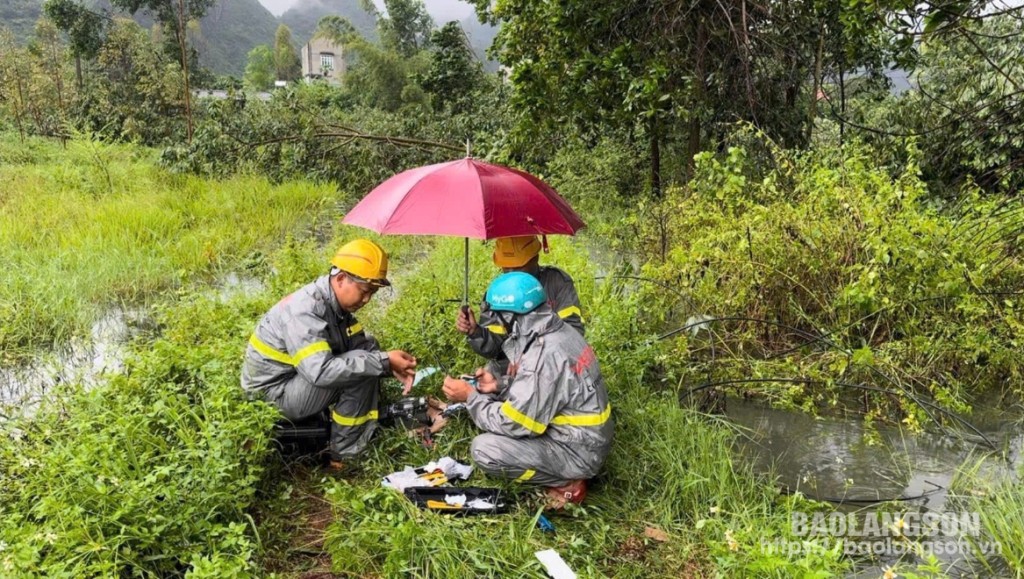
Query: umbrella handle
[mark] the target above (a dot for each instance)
(465, 279)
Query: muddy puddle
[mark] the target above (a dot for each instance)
(839, 460)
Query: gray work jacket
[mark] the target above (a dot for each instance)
(557, 390)
(308, 334)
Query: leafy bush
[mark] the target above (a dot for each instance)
(319, 132)
(835, 272)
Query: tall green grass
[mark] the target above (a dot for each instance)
(93, 226)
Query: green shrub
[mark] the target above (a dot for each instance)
(857, 277)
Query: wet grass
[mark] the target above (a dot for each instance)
(92, 226)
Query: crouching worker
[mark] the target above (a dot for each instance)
(309, 352)
(486, 335)
(547, 419)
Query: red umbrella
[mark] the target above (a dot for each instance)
(465, 198)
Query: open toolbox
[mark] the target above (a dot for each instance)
(458, 500)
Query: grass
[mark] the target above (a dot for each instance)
(96, 226)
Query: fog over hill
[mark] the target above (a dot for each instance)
(440, 10)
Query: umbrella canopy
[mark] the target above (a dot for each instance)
(465, 198)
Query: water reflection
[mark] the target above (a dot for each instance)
(838, 458)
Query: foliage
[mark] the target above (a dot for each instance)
(406, 27)
(319, 132)
(286, 59)
(854, 276)
(148, 475)
(670, 75)
(96, 226)
(84, 27)
(1000, 507)
(36, 91)
(132, 93)
(968, 86)
(455, 78)
(260, 70)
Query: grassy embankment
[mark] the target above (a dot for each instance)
(165, 470)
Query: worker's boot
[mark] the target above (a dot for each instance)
(574, 492)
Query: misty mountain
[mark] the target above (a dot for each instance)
(302, 17)
(231, 28)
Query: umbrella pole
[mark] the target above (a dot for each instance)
(465, 279)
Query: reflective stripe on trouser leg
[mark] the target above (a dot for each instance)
(354, 419)
(552, 464)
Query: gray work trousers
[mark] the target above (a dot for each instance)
(353, 411)
(540, 460)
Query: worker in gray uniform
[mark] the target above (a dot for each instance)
(520, 254)
(309, 351)
(547, 420)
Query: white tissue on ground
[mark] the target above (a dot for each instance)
(408, 477)
(455, 500)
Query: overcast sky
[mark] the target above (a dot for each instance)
(440, 10)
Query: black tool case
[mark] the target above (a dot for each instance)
(423, 496)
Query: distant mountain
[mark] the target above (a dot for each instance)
(303, 17)
(19, 16)
(230, 30)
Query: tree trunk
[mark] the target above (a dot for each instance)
(78, 72)
(693, 140)
(183, 44)
(655, 158)
(842, 83)
(813, 112)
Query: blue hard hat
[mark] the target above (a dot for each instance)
(516, 292)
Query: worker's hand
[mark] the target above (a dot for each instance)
(403, 368)
(466, 322)
(486, 383)
(456, 390)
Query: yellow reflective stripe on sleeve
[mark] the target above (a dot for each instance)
(526, 475)
(283, 357)
(522, 419)
(584, 419)
(309, 351)
(353, 420)
(269, 352)
(497, 329)
(566, 312)
(355, 329)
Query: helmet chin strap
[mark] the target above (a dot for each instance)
(506, 322)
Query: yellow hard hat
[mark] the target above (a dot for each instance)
(515, 251)
(363, 259)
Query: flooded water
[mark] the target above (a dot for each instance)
(837, 459)
(84, 361)
(87, 360)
